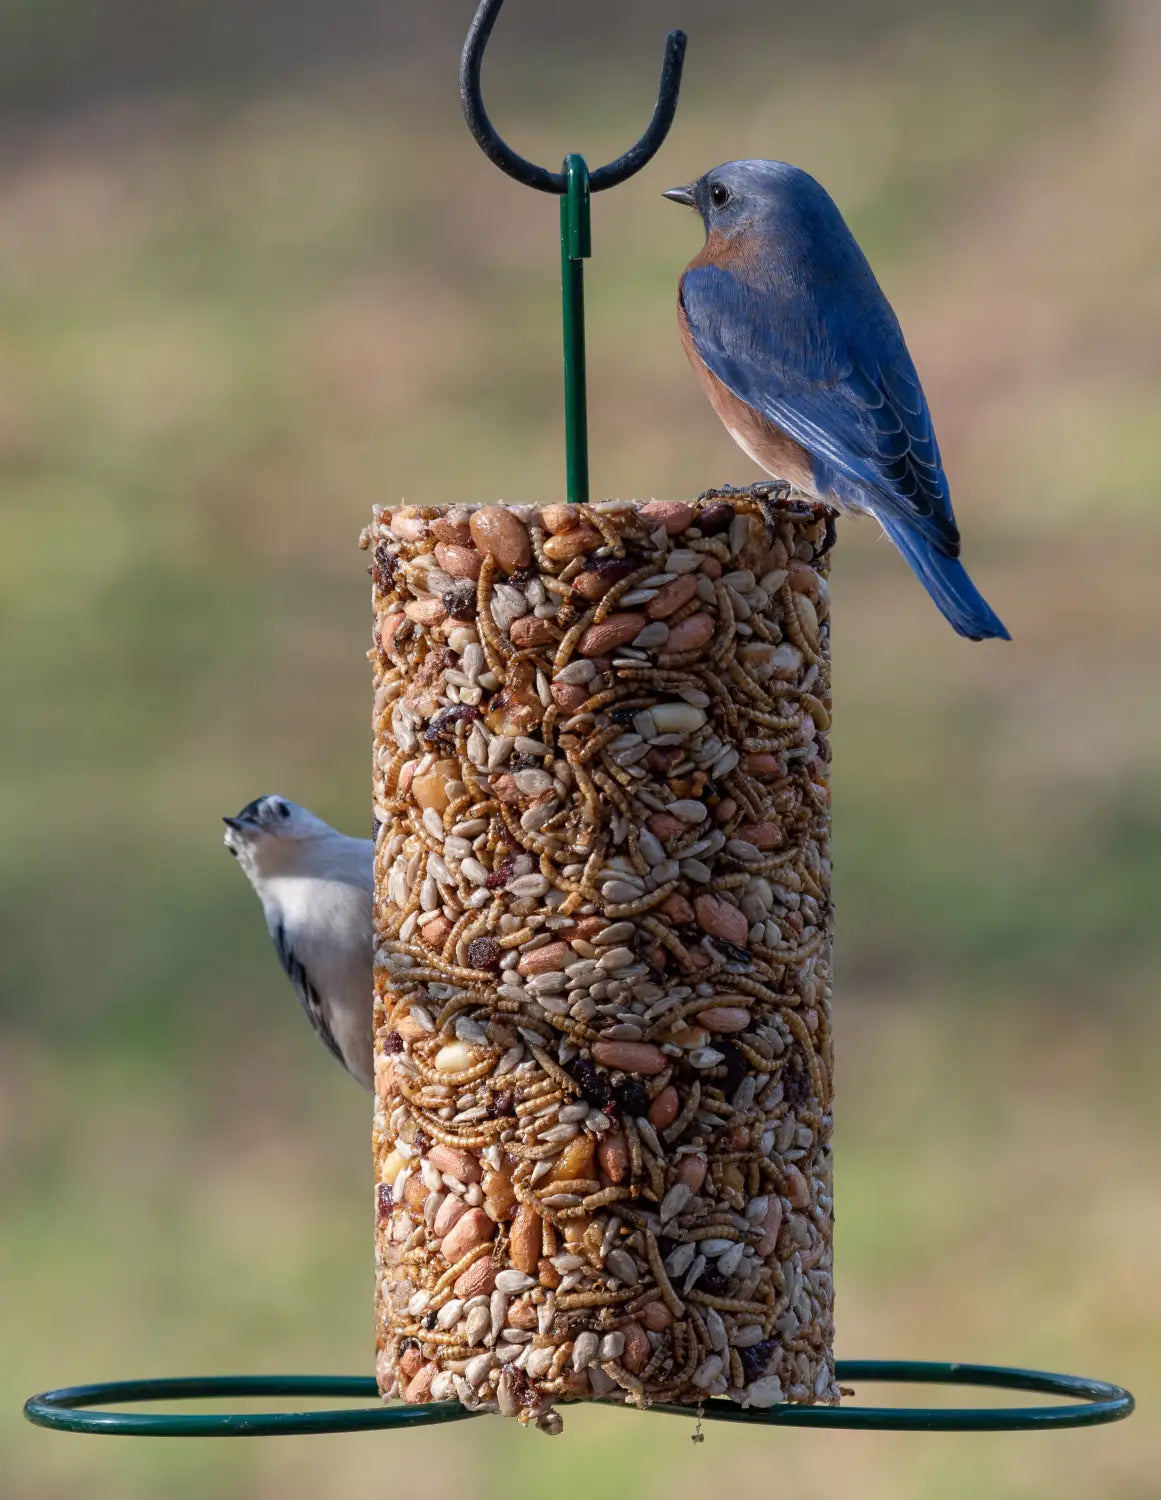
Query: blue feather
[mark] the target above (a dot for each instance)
(811, 364)
(946, 580)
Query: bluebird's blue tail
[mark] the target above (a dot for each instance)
(945, 579)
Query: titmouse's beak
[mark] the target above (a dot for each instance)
(249, 820)
(242, 825)
(682, 195)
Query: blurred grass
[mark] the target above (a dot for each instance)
(230, 325)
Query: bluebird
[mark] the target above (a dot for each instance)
(804, 361)
(315, 885)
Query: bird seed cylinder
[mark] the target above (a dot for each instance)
(603, 1063)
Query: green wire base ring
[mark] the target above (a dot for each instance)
(68, 1409)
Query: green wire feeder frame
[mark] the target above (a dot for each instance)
(1088, 1403)
(70, 1410)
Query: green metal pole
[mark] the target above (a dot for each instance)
(575, 247)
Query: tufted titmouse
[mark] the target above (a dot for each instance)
(315, 886)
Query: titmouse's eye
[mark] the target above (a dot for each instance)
(719, 195)
(282, 810)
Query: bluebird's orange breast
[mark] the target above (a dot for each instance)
(769, 447)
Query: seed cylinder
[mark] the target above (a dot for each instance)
(602, 1135)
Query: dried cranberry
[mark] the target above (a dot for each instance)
(460, 601)
(484, 953)
(715, 516)
(441, 730)
(796, 1085)
(394, 1042)
(612, 568)
(735, 1065)
(756, 1357)
(525, 762)
(520, 576)
(624, 716)
(521, 1387)
(662, 758)
(501, 875)
(502, 1104)
(632, 1097)
(593, 1084)
(713, 1283)
(384, 568)
(731, 952)
(383, 1203)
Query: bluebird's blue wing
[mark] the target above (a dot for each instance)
(828, 366)
(823, 359)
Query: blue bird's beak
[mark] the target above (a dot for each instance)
(682, 195)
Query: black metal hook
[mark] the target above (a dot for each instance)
(527, 172)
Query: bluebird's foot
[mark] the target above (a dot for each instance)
(803, 505)
(721, 492)
(767, 489)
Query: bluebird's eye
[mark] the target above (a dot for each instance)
(719, 195)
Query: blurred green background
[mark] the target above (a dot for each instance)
(254, 278)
